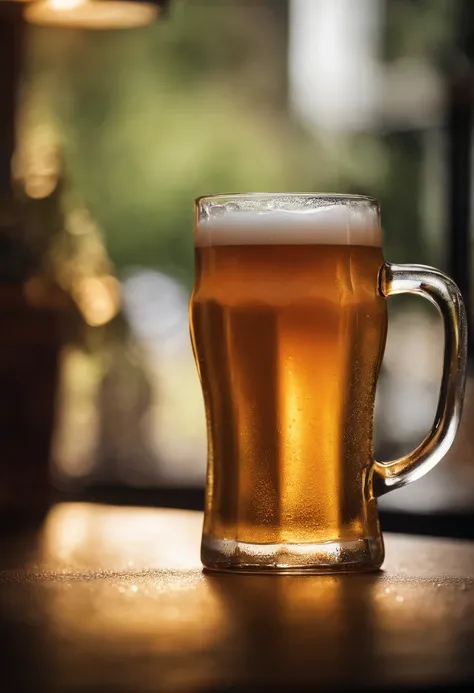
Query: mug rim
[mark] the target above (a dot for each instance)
(349, 197)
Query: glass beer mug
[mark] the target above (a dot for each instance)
(288, 324)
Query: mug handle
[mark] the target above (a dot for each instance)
(443, 292)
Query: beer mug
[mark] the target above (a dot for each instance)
(288, 325)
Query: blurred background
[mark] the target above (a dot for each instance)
(114, 116)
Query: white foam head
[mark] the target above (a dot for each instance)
(291, 220)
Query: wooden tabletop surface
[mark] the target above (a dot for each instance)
(114, 599)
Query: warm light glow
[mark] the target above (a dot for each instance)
(39, 187)
(91, 14)
(85, 270)
(131, 586)
(74, 451)
(80, 222)
(78, 534)
(36, 163)
(125, 586)
(98, 299)
(64, 5)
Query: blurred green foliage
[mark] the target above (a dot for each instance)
(418, 28)
(152, 118)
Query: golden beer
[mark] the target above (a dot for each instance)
(288, 325)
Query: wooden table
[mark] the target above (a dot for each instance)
(114, 599)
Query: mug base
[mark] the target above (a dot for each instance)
(359, 555)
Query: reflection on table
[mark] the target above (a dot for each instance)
(116, 598)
